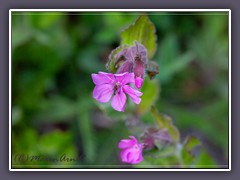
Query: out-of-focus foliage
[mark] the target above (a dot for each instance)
(165, 122)
(53, 112)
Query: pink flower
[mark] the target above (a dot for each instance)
(131, 150)
(108, 84)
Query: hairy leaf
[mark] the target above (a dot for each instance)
(142, 31)
(114, 62)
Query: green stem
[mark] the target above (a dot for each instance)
(178, 154)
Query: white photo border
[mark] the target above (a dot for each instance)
(120, 10)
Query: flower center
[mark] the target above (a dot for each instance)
(135, 146)
(118, 84)
(117, 87)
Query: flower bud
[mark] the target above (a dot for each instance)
(138, 82)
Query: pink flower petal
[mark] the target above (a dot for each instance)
(133, 93)
(125, 143)
(119, 101)
(103, 78)
(131, 150)
(131, 155)
(134, 139)
(125, 78)
(124, 155)
(103, 93)
(138, 160)
(138, 155)
(138, 82)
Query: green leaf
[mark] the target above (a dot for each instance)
(163, 152)
(150, 90)
(25, 141)
(187, 158)
(142, 31)
(86, 129)
(155, 158)
(53, 143)
(204, 160)
(57, 144)
(112, 64)
(165, 122)
(191, 142)
(151, 162)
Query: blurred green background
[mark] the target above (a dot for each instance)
(54, 55)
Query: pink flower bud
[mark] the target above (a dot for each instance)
(131, 150)
(138, 82)
(132, 59)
